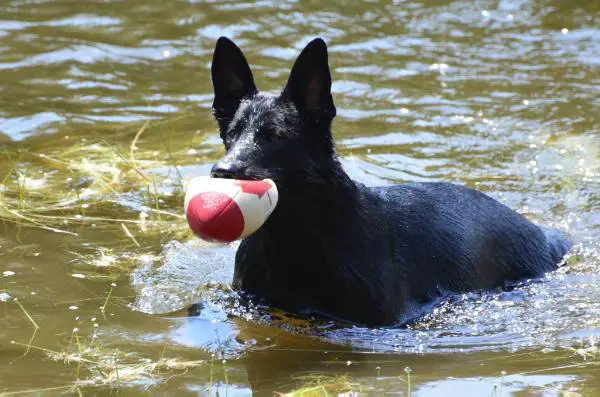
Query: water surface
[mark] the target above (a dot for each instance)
(105, 111)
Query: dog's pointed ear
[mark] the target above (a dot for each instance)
(232, 80)
(309, 84)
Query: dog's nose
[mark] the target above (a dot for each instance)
(226, 171)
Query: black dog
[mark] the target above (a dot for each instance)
(340, 249)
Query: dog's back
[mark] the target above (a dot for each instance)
(333, 246)
(457, 239)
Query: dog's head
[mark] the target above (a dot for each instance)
(285, 137)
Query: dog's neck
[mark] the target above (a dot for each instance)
(299, 245)
(308, 210)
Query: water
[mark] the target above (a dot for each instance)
(499, 96)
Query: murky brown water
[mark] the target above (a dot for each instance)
(503, 96)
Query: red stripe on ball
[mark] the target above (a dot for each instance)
(258, 188)
(215, 217)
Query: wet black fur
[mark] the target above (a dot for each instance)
(336, 247)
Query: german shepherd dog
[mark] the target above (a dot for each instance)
(336, 248)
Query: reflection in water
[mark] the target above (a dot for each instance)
(499, 96)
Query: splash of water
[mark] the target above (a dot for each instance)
(187, 272)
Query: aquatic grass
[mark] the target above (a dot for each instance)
(67, 388)
(103, 259)
(96, 168)
(129, 234)
(587, 352)
(212, 371)
(36, 327)
(59, 187)
(110, 291)
(31, 320)
(113, 367)
(318, 385)
(82, 188)
(118, 380)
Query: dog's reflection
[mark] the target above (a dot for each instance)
(279, 356)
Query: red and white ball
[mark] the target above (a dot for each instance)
(225, 210)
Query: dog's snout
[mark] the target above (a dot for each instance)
(227, 171)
